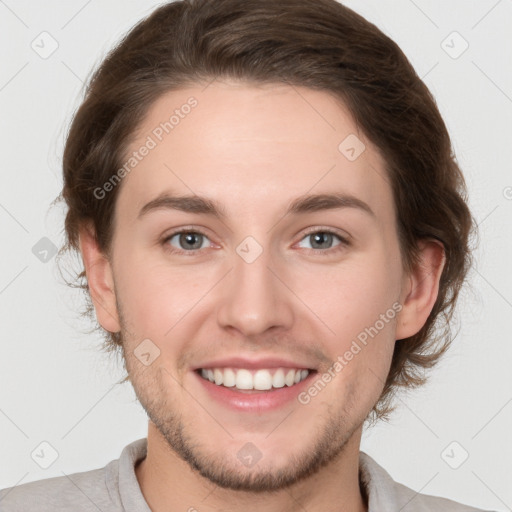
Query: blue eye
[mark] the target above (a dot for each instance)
(319, 240)
(187, 240)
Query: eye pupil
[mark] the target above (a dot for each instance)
(319, 238)
(187, 240)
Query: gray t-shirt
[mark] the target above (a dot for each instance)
(115, 488)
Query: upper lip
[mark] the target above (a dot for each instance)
(251, 363)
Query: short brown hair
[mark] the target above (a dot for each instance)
(319, 44)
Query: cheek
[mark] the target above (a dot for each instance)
(156, 296)
(352, 296)
(359, 306)
(348, 297)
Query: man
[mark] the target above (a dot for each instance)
(272, 225)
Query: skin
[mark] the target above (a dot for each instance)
(254, 149)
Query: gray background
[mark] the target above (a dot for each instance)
(57, 388)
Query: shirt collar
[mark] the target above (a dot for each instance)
(378, 484)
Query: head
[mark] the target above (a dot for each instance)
(247, 108)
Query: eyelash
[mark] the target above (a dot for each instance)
(342, 245)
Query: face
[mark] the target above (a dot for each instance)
(243, 274)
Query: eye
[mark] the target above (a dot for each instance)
(186, 241)
(190, 241)
(324, 240)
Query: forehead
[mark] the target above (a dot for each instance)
(258, 145)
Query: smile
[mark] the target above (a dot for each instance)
(260, 380)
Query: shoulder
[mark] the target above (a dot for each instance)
(87, 490)
(413, 501)
(385, 494)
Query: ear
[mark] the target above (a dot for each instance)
(99, 278)
(420, 289)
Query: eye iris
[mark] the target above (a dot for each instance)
(187, 240)
(319, 238)
(193, 241)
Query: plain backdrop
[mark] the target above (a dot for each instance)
(57, 388)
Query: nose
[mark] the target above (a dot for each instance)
(254, 297)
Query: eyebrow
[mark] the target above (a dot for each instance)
(302, 204)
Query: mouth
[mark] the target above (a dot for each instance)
(244, 383)
(254, 391)
(250, 380)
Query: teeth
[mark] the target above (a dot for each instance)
(217, 374)
(278, 379)
(289, 380)
(229, 378)
(261, 380)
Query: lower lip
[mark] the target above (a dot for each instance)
(257, 401)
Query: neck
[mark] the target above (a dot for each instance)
(169, 483)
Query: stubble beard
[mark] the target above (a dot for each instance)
(149, 384)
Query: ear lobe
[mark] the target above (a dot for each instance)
(99, 279)
(419, 295)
